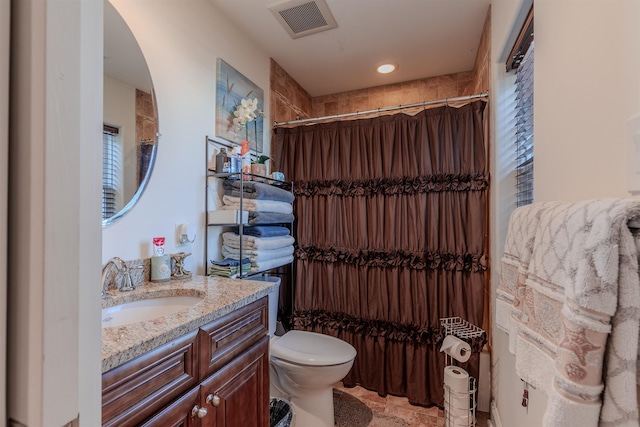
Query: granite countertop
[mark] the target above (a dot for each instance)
(219, 297)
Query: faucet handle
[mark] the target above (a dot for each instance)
(128, 282)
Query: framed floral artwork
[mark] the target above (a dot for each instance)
(231, 88)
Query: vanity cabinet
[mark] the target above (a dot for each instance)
(216, 376)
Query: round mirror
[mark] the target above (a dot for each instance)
(130, 132)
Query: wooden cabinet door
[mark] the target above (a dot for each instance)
(138, 389)
(238, 394)
(180, 413)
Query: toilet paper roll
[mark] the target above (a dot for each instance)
(456, 379)
(456, 392)
(464, 421)
(455, 410)
(456, 348)
(459, 422)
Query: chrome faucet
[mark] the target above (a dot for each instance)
(121, 269)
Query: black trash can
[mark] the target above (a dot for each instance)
(280, 413)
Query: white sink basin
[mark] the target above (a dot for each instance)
(145, 309)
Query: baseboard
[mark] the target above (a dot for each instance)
(495, 416)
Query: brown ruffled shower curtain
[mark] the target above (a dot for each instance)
(391, 229)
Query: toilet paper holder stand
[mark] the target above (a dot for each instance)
(456, 411)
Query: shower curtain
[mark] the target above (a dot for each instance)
(391, 236)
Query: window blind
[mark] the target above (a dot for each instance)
(110, 171)
(524, 129)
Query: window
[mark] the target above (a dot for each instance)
(524, 130)
(521, 59)
(111, 166)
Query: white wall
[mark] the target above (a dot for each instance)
(181, 42)
(587, 81)
(587, 85)
(54, 211)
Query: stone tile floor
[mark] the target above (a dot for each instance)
(414, 416)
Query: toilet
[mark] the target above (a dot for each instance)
(304, 366)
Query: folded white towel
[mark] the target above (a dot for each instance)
(257, 255)
(232, 240)
(231, 202)
(272, 263)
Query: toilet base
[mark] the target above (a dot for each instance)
(314, 410)
(309, 386)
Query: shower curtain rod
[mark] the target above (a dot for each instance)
(380, 110)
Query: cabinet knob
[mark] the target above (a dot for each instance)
(200, 412)
(214, 400)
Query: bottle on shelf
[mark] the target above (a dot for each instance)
(246, 160)
(222, 161)
(233, 162)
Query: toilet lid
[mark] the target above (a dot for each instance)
(313, 349)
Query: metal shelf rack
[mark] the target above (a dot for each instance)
(286, 185)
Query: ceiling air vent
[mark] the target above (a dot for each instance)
(303, 17)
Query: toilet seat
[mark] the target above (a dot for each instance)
(312, 349)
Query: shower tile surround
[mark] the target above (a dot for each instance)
(291, 102)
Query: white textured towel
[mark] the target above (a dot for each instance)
(271, 263)
(256, 255)
(231, 202)
(569, 297)
(232, 240)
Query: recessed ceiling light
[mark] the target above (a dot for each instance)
(387, 68)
